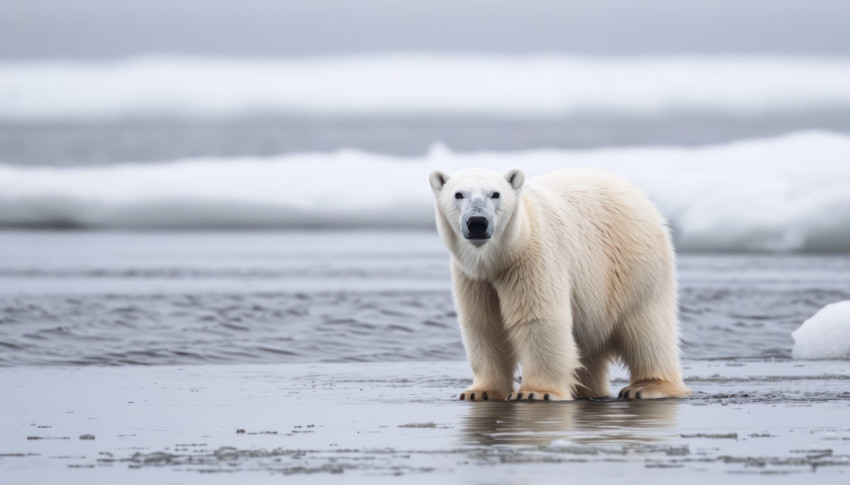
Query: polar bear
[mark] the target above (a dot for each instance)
(560, 275)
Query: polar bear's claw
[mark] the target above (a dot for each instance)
(481, 396)
(655, 389)
(537, 396)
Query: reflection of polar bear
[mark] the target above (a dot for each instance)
(560, 276)
(540, 425)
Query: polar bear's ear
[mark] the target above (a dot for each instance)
(438, 180)
(515, 178)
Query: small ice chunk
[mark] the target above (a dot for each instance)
(824, 336)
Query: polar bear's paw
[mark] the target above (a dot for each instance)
(654, 390)
(525, 395)
(482, 395)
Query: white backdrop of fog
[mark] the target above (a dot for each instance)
(104, 29)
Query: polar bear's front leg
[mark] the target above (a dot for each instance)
(549, 359)
(485, 339)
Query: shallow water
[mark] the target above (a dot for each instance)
(125, 357)
(95, 298)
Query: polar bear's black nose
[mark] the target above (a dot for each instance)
(477, 226)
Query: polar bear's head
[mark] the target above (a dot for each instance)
(476, 204)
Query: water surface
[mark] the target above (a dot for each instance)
(101, 298)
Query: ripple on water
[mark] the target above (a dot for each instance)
(731, 307)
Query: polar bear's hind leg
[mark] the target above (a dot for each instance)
(648, 345)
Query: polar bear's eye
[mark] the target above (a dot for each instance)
(495, 195)
(458, 195)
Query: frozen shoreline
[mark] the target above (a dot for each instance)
(782, 194)
(747, 420)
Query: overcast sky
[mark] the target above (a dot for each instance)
(96, 29)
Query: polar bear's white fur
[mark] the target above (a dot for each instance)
(561, 275)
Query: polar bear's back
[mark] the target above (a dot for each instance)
(602, 199)
(594, 189)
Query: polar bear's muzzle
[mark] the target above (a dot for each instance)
(477, 229)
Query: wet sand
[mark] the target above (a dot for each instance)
(782, 422)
